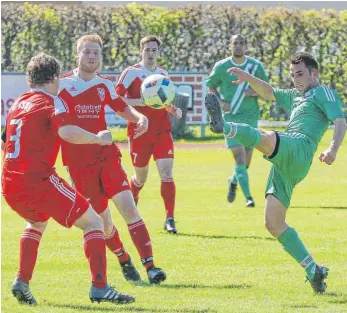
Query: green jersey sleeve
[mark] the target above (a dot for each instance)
(329, 102)
(284, 97)
(214, 79)
(261, 73)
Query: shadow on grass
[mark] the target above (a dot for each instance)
(336, 301)
(198, 286)
(302, 306)
(125, 308)
(224, 237)
(191, 286)
(319, 207)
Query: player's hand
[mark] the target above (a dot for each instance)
(105, 138)
(242, 75)
(328, 156)
(249, 92)
(176, 112)
(142, 126)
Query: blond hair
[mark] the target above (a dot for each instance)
(91, 38)
(148, 39)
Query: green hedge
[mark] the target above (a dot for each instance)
(194, 37)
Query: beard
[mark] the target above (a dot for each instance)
(238, 53)
(90, 68)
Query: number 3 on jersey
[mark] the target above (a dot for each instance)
(15, 138)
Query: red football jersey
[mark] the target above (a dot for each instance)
(129, 85)
(86, 101)
(32, 141)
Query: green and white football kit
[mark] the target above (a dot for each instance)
(310, 115)
(243, 109)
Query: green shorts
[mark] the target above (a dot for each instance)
(291, 162)
(232, 142)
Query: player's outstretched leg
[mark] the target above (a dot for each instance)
(109, 294)
(21, 291)
(215, 113)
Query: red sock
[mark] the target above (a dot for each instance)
(114, 243)
(29, 244)
(142, 242)
(135, 188)
(95, 251)
(168, 193)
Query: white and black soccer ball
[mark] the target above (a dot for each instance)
(157, 91)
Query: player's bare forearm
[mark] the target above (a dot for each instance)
(2, 146)
(130, 114)
(329, 155)
(134, 102)
(262, 88)
(339, 133)
(78, 136)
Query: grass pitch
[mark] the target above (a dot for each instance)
(222, 260)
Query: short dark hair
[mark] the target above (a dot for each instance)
(42, 68)
(148, 39)
(305, 57)
(238, 35)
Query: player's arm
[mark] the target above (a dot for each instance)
(78, 136)
(261, 74)
(176, 112)
(123, 85)
(134, 116)
(63, 123)
(330, 103)
(262, 88)
(134, 102)
(329, 155)
(127, 112)
(213, 81)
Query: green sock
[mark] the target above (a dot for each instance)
(233, 179)
(293, 245)
(250, 137)
(242, 178)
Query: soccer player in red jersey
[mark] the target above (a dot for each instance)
(35, 125)
(96, 171)
(158, 139)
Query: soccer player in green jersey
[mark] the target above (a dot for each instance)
(239, 104)
(312, 107)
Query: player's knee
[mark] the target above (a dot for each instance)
(270, 226)
(38, 226)
(140, 179)
(108, 227)
(166, 173)
(90, 221)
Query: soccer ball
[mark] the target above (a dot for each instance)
(157, 91)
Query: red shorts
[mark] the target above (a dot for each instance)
(142, 148)
(100, 182)
(51, 197)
